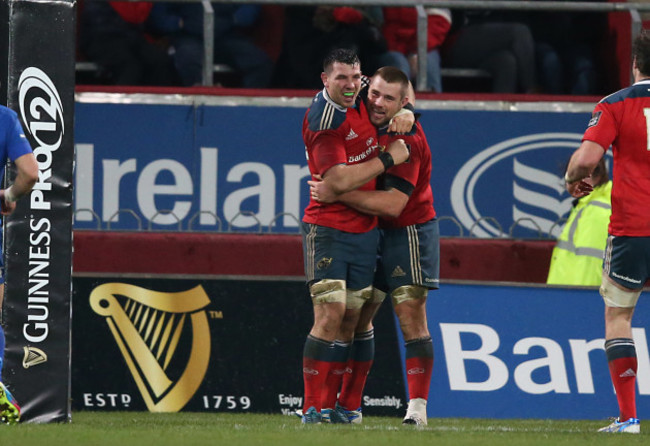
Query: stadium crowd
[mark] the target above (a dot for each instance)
(274, 46)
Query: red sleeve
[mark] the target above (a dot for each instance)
(347, 15)
(409, 170)
(438, 28)
(602, 127)
(399, 29)
(136, 13)
(328, 149)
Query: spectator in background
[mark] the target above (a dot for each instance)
(484, 40)
(183, 23)
(400, 31)
(233, 47)
(566, 49)
(578, 256)
(115, 35)
(311, 32)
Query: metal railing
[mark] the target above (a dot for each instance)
(271, 227)
(632, 8)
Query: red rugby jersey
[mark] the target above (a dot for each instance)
(338, 135)
(622, 120)
(416, 171)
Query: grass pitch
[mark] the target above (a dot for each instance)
(180, 429)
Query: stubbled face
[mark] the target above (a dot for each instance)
(384, 100)
(343, 83)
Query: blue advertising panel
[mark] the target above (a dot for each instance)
(191, 167)
(494, 168)
(526, 352)
(201, 163)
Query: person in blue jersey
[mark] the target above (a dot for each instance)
(14, 147)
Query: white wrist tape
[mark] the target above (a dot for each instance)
(9, 195)
(568, 180)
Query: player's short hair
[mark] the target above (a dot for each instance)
(641, 52)
(393, 75)
(341, 55)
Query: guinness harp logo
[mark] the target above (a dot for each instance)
(33, 356)
(147, 327)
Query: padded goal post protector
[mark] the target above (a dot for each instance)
(39, 53)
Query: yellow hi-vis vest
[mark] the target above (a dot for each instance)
(578, 256)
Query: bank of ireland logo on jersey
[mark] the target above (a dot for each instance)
(517, 183)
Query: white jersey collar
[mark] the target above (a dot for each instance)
(334, 104)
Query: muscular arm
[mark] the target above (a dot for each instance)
(382, 203)
(26, 178)
(27, 175)
(583, 162)
(344, 178)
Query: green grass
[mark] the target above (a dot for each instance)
(180, 429)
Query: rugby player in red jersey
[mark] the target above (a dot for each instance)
(409, 248)
(622, 121)
(339, 243)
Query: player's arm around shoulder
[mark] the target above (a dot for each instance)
(404, 120)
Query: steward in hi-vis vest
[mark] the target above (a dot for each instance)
(578, 256)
